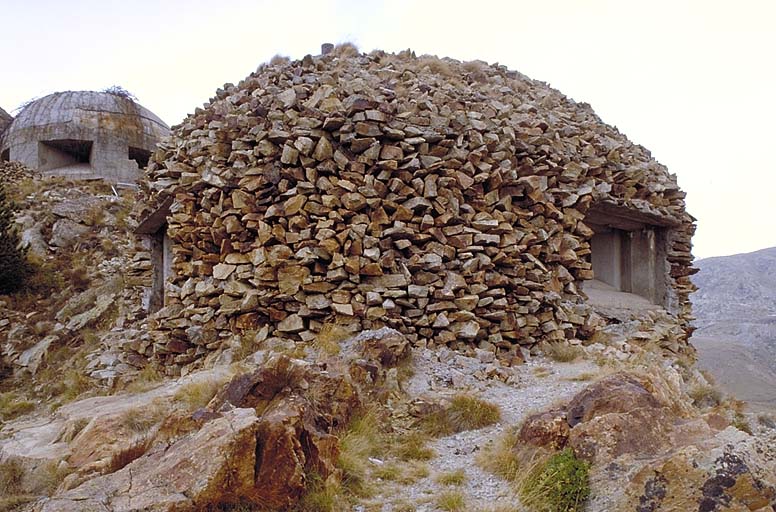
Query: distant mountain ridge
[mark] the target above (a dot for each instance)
(735, 307)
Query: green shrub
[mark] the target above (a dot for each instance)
(14, 267)
(559, 485)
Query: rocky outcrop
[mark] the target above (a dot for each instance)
(444, 199)
(258, 442)
(651, 452)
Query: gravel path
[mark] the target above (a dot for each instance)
(532, 386)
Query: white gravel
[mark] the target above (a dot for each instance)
(532, 386)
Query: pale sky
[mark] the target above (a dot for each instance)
(693, 81)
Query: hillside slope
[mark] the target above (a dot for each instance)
(736, 318)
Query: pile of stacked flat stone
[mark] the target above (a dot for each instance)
(441, 198)
(12, 172)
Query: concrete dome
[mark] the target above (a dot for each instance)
(84, 133)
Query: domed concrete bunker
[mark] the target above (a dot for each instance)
(84, 134)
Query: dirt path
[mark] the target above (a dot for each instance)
(533, 386)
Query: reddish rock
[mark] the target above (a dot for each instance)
(546, 429)
(618, 393)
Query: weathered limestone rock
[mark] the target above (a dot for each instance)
(65, 233)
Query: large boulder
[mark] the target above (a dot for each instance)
(213, 465)
(257, 442)
(651, 452)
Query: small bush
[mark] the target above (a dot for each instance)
(560, 485)
(451, 501)
(465, 412)
(12, 406)
(14, 268)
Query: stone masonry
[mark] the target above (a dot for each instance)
(447, 200)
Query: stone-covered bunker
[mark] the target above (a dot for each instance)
(460, 203)
(84, 134)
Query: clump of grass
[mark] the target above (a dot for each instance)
(11, 475)
(582, 377)
(278, 59)
(561, 352)
(329, 338)
(346, 49)
(196, 394)
(500, 457)
(76, 384)
(455, 477)
(145, 379)
(139, 420)
(124, 457)
(436, 65)
(12, 406)
(412, 446)
(390, 472)
(465, 412)
(320, 496)
(741, 423)
(767, 420)
(704, 395)
(451, 501)
(362, 440)
(559, 485)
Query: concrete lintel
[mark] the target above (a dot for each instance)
(628, 219)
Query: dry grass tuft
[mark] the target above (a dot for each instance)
(363, 439)
(196, 394)
(12, 405)
(412, 445)
(140, 419)
(465, 412)
(500, 457)
(124, 457)
(436, 65)
(329, 338)
(704, 396)
(145, 379)
(456, 477)
(562, 352)
(278, 59)
(11, 475)
(451, 501)
(346, 49)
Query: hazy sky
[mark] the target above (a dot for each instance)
(693, 81)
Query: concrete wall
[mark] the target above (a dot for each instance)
(632, 261)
